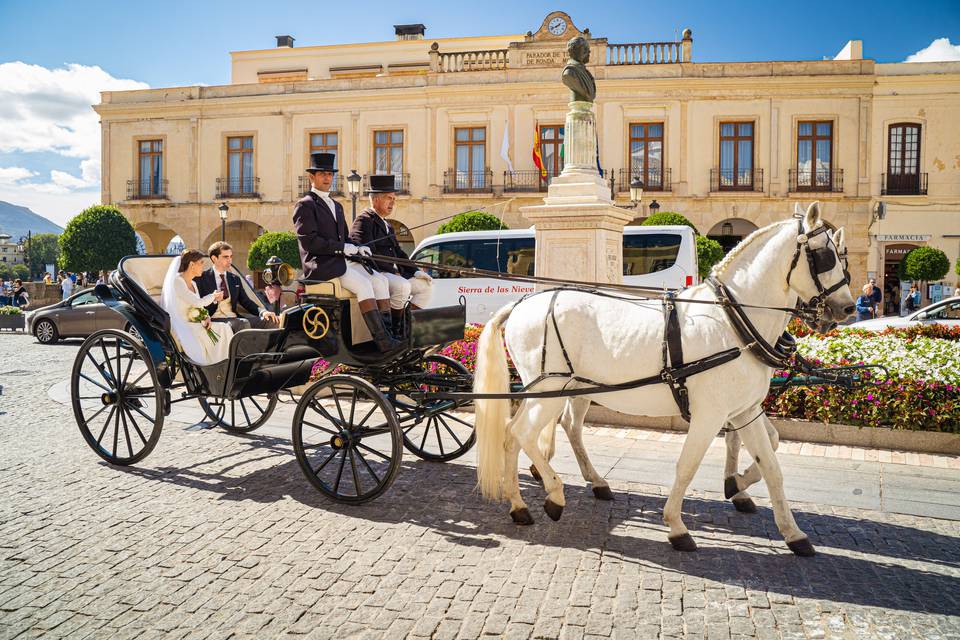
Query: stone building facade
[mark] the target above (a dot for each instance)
(731, 146)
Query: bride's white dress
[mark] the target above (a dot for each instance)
(193, 338)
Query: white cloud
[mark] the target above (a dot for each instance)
(940, 50)
(12, 175)
(50, 110)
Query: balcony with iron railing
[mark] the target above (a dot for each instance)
(819, 181)
(736, 180)
(335, 187)
(653, 180)
(245, 187)
(533, 181)
(151, 189)
(401, 182)
(903, 184)
(468, 181)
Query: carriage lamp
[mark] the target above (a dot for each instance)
(654, 207)
(726, 229)
(353, 188)
(223, 221)
(636, 191)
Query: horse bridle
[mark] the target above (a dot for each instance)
(821, 260)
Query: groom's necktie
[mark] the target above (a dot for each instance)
(223, 285)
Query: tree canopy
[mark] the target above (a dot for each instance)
(96, 240)
(282, 244)
(924, 264)
(709, 253)
(472, 221)
(662, 218)
(43, 249)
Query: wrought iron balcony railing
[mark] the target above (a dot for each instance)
(527, 181)
(401, 182)
(149, 189)
(904, 184)
(739, 180)
(653, 180)
(820, 181)
(335, 188)
(247, 187)
(468, 181)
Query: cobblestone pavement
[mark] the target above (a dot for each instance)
(216, 535)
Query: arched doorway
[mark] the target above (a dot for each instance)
(240, 234)
(730, 232)
(404, 236)
(893, 290)
(175, 247)
(154, 236)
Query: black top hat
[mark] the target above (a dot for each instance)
(382, 184)
(322, 162)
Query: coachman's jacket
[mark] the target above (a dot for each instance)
(370, 229)
(320, 238)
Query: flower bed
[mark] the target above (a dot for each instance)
(923, 392)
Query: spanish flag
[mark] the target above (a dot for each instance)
(537, 158)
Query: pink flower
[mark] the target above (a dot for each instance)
(869, 396)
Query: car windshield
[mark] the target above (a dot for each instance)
(948, 311)
(85, 298)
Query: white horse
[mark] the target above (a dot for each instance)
(613, 340)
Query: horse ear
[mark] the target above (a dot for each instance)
(812, 218)
(838, 239)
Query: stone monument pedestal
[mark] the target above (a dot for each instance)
(579, 233)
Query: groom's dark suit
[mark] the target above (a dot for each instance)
(207, 283)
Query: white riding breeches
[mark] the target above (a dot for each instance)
(416, 290)
(366, 286)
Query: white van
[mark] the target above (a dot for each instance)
(661, 257)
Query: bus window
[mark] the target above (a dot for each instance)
(649, 253)
(514, 255)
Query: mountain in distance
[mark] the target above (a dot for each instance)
(16, 221)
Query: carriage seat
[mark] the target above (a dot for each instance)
(358, 328)
(148, 274)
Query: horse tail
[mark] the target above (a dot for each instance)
(492, 376)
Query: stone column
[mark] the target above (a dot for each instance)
(579, 233)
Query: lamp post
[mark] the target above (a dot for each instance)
(726, 229)
(654, 207)
(353, 188)
(636, 192)
(24, 248)
(223, 221)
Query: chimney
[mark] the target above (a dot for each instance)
(409, 31)
(284, 41)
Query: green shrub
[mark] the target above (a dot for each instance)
(43, 250)
(472, 221)
(924, 264)
(282, 244)
(662, 218)
(96, 240)
(709, 253)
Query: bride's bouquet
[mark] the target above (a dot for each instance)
(199, 314)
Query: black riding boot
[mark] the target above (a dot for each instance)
(398, 324)
(381, 337)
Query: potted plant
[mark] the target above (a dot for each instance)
(11, 318)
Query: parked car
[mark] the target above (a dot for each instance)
(946, 312)
(76, 317)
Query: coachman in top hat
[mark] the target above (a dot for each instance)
(325, 246)
(371, 229)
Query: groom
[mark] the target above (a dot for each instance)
(220, 277)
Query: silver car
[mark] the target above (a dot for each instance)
(945, 312)
(76, 317)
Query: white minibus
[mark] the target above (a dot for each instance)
(661, 257)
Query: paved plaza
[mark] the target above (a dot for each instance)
(217, 536)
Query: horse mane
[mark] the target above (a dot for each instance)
(719, 268)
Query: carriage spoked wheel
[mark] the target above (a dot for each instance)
(242, 415)
(117, 398)
(347, 439)
(431, 428)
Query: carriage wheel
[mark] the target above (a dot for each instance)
(242, 415)
(347, 439)
(431, 429)
(116, 396)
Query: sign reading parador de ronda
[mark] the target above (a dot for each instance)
(731, 146)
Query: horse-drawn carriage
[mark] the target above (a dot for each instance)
(349, 429)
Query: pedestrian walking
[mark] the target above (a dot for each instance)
(876, 296)
(66, 285)
(865, 304)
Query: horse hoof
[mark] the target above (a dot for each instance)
(602, 493)
(802, 548)
(730, 487)
(553, 509)
(522, 517)
(683, 543)
(744, 505)
(536, 474)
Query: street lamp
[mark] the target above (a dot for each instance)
(726, 229)
(24, 248)
(636, 191)
(654, 207)
(223, 221)
(353, 188)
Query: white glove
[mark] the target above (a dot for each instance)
(423, 275)
(350, 249)
(365, 251)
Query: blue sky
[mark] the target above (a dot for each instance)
(176, 43)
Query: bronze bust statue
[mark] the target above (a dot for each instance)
(575, 75)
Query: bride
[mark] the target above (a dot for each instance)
(179, 296)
